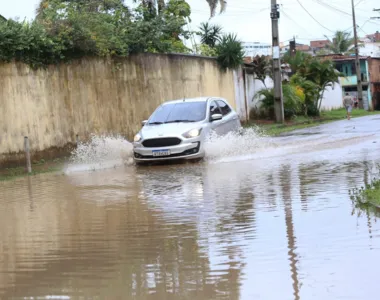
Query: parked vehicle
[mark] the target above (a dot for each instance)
(178, 129)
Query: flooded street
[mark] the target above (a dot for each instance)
(272, 222)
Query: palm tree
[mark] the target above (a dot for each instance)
(262, 67)
(342, 43)
(210, 34)
(214, 5)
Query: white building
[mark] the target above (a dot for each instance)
(253, 49)
(370, 49)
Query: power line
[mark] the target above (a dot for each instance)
(291, 19)
(313, 16)
(358, 2)
(331, 7)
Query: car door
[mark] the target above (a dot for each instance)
(216, 126)
(230, 119)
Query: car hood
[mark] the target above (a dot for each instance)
(170, 129)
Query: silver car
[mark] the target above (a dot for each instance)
(178, 129)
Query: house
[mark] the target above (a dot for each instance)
(319, 45)
(346, 65)
(304, 48)
(374, 37)
(374, 74)
(371, 49)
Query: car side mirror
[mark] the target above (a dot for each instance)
(144, 122)
(216, 117)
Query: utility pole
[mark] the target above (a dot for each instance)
(292, 47)
(278, 101)
(357, 60)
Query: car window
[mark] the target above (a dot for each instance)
(224, 107)
(179, 112)
(214, 108)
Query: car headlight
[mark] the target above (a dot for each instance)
(137, 138)
(192, 133)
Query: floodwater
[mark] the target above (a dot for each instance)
(273, 221)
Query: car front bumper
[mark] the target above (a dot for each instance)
(188, 149)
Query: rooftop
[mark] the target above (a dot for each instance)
(341, 57)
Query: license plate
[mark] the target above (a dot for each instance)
(161, 152)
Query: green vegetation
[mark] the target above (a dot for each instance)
(301, 122)
(368, 195)
(227, 49)
(341, 43)
(65, 30)
(209, 34)
(69, 29)
(303, 94)
(39, 167)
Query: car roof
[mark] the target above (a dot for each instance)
(197, 99)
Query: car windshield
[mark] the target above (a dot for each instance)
(179, 112)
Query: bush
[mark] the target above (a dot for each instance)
(65, 30)
(293, 97)
(229, 51)
(29, 43)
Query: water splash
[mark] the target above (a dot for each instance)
(245, 143)
(101, 152)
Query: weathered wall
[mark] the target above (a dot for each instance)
(332, 97)
(374, 69)
(97, 96)
(253, 86)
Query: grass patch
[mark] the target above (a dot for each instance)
(38, 167)
(300, 122)
(368, 195)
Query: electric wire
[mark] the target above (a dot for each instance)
(313, 16)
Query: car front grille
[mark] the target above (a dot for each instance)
(191, 151)
(161, 142)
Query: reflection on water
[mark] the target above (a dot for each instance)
(279, 228)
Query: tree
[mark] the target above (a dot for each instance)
(230, 52)
(323, 73)
(210, 34)
(2, 18)
(262, 68)
(314, 75)
(342, 43)
(214, 5)
(298, 61)
(68, 29)
(294, 100)
(100, 6)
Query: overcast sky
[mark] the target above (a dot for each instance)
(251, 21)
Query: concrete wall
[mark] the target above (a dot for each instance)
(253, 86)
(332, 97)
(97, 96)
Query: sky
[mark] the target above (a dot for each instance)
(304, 19)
